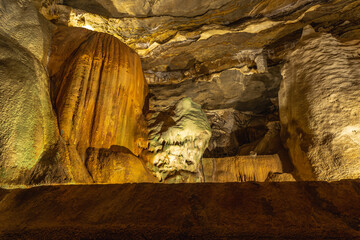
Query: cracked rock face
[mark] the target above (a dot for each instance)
(178, 139)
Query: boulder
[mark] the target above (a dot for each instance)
(280, 177)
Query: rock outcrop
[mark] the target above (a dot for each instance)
(20, 21)
(178, 139)
(99, 91)
(319, 107)
(280, 177)
(228, 131)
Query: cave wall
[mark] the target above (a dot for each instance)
(31, 149)
(319, 107)
(87, 121)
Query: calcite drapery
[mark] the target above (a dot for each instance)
(241, 168)
(99, 90)
(319, 107)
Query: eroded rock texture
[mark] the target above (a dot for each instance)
(228, 89)
(319, 107)
(99, 91)
(205, 37)
(116, 165)
(21, 21)
(228, 131)
(241, 168)
(178, 139)
(31, 150)
(223, 54)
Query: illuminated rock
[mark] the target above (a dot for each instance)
(280, 177)
(115, 165)
(99, 91)
(241, 168)
(228, 128)
(178, 139)
(31, 150)
(20, 20)
(203, 37)
(319, 107)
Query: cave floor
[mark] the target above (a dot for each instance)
(287, 210)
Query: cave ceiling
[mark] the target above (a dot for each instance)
(178, 39)
(189, 47)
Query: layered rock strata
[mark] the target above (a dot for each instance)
(228, 89)
(205, 37)
(319, 107)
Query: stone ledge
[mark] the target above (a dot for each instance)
(287, 210)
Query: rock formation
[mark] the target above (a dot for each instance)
(228, 89)
(280, 177)
(241, 168)
(228, 131)
(116, 165)
(99, 91)
(31, 150)
(112, 62)
(205, 37)
(103, 93)
(319, 107)
(178, 139)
